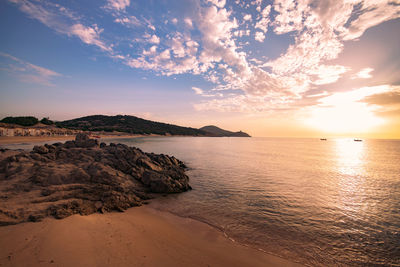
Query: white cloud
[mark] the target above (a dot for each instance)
(259, 36)
(197, 90)
(27, 72)
(363, 74)
(216, 28)
(177, 46)
(241, 33)
(247, 17)
(263, 23)
(213, 46)
(373, 13)
(118, 5)
(218, 3)
(319, 30)
(327, 73)
(63, 21)
(89, 35)
(129, 21)
(188, 22)
(152, 51)
(166, 54)
(154, 39)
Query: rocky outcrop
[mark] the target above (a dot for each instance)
(82, 177)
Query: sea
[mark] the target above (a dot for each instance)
(318, 203)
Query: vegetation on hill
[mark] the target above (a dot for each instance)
(125, 123)
(216, 131)
(23, 121)
(128, 124)
(47, 121)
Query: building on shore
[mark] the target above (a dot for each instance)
(35, 130)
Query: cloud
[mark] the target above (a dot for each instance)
(197, 90)
(27, 72)
(218, 45)
(218, 3)
(319, 31)
(89, 35)
(262, 24)
(259, 36)
(129, 21)
(62, 21)
(210, 42)
(118, 5)
(384, 99)
(371, 14)
(154, 39)
(363, 74)
(188, 22)
(166, 54)
(327, 73)
(247, 17)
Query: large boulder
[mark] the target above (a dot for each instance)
(83, 140)
(82, 177)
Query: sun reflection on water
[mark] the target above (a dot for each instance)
(350, 164)
(350, 157)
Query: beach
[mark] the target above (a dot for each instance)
(141, 236)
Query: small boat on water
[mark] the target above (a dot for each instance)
(322, 139)
(357, 140)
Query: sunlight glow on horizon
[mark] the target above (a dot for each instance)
(346, 113)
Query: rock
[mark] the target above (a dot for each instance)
(35, 218)
(81, 177)
(98, 205)
(40, 149)
(83, 140)
(69, 144)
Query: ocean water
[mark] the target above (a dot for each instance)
(320, 203)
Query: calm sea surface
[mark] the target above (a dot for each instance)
(321, 203)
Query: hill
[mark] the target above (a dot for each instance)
(23, 121)
(128, 124)
(26, 121)
(216, 131)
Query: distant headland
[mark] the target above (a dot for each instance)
(102, 124)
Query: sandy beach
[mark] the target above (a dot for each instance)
(140, 236)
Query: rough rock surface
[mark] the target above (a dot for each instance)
(82, 177)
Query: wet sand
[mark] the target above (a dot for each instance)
(140, 236)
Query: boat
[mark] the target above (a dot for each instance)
(322, 139)
(357, 140)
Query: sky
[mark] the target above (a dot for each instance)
(270, 68)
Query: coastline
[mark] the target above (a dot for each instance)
(9, 140)
(141, 236)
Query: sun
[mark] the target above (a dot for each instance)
(353, 118)
(345, 112)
